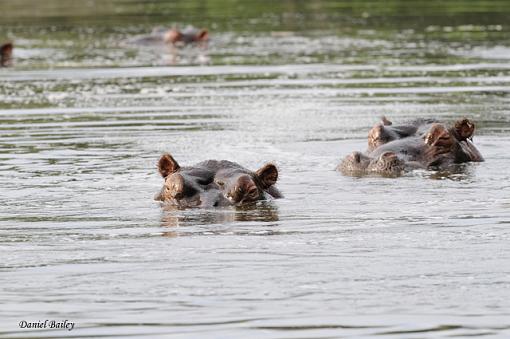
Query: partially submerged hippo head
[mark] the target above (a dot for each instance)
(357, 163)
(423, 143)
(189, 35)
(188, 186)
(242, 186)
(214, 183)
(450, 146)
(6, 54)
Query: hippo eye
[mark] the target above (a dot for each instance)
(220, 183)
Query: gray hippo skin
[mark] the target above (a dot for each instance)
(424, 143)
(214, 183)
(387, 164)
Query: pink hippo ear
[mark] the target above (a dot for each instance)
(167, 165)
(203, 35)
(267, 174)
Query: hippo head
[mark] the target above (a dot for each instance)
(187, 187)
(173, 36)
(6, 54)
(241, 186)
(451, 146)
(357, 163)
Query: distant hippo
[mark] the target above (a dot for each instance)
(214, 183)
(426, 144)
(188, 35)
(174, 36)
(6, 54)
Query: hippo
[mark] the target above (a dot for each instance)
(387, 164)
(421, 144)
(6, 54)
(188, 35)
(213, 183)
(384, 131)
(174, 36)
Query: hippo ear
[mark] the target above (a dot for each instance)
(463, 129)
(438, 135)
(203, 35)
(385, 121)
(267, 174)
(167, 165)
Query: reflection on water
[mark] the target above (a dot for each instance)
(262, 211)
(84, 117)
(457, 172)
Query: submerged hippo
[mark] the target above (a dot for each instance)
(174, 36)
(215, 183)
(425, 144)
(188, 35)
(386, 164)
(6, 54)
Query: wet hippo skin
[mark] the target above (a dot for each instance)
(213, 183)
(425, 143)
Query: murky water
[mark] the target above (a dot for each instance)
(85, 114)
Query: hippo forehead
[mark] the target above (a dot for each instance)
(234, 173)
(409, 148)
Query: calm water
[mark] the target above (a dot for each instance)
(85, 114)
